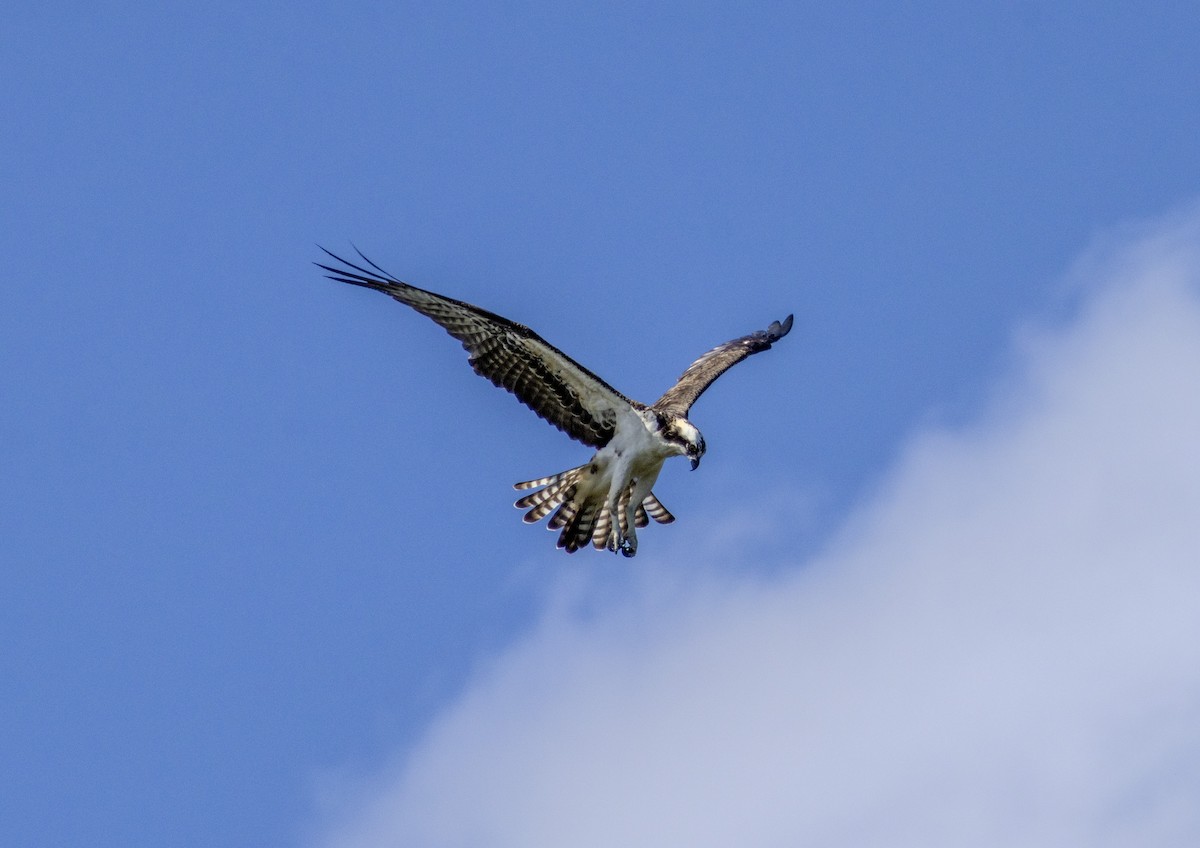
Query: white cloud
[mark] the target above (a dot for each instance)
(1001, 648)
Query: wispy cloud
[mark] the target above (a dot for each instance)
(1002, 647)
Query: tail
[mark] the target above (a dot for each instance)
(581, 511)
(551, 492)
(656, 511)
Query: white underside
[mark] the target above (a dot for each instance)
(634, 455)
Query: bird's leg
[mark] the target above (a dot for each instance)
(618, 528)
(615, 538)
(628, 539)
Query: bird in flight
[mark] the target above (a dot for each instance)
(607, 498)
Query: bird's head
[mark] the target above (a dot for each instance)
(683, 436)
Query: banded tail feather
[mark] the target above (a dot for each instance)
(578, 531)
(556, 489)
(656, 510)
(580, 510)
(623, 509)
(601, 530)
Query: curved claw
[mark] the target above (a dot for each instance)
(624, 545)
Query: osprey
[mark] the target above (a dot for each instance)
(604, 500)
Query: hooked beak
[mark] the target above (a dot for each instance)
(695, 462)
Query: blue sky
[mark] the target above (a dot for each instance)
(261, 580)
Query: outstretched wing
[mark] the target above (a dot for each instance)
(701, 373)
(511, 355)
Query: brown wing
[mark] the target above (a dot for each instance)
(511, 355)
(701, 373)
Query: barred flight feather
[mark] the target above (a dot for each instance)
(566, 512)
(548, 504)
(579, 531)
(701, 374)
(510, 355)
(623, 509)
(657, 511)
(541, 481)
(600, 531)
